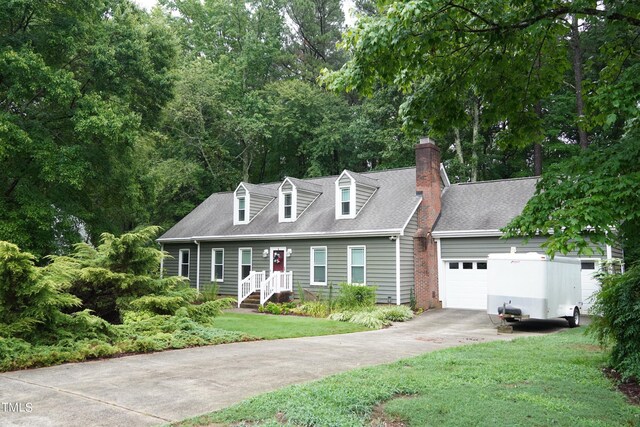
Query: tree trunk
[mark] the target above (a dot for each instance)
(246, 162)
(537, 147)
(458, 145)
(474, 138)
(577, 73)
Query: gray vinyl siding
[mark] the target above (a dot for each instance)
(380, 263)
(305, 198)
(406, 260)
(616, 252)
(345, 181)
(241, 192)
(171, 264)
(480, 247)
(363, 194)
(258, 202)
(287, 187)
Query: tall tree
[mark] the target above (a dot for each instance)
(519, 57)
(79, 81)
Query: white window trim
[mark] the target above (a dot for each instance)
(312, 266)
(294, 202)
(352, 197)
(213, 265)
(236, 206)
(349, 248)
(240, 261)
(182, 251)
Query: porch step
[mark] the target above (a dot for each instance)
(252, 301)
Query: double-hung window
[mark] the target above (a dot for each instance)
(183, 263)
(217, 265)
(241, 209)
(345, 200)
(319, 265)
(288, 205)
(245, 262)
(357, 256)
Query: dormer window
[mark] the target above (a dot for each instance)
(353, 191)
(294, 197)
(288, 205)
(345, 200)
(241, 209)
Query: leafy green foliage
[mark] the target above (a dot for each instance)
(80, 82)
(30, 299)
(355, 296)
(590, 198)
(313, 309)
(121, 274)
(616, 320)
(375, 318)
(273, 308)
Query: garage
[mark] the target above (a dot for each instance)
(465, 284)
(589, 283)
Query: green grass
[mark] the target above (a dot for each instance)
(275, 327)
(541, 381)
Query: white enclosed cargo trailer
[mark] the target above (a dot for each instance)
(532, 285)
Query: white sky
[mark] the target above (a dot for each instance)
(347, 7)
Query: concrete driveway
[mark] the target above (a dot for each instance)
(158, 388)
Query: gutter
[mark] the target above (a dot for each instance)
(282, 236)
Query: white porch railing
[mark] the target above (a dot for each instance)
(249, 285)
(279, 281)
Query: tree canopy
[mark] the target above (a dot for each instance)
(547, 74)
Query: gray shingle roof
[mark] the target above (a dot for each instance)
(488, 205)
(366, 179)
(264, 190)
(305, 185)
(389, 209)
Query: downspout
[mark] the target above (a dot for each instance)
(162, 260)
(440, 272)
(197, 266)
(397, 270)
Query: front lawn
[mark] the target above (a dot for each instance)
(551, 380)
(271, 327)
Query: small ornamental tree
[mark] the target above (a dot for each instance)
(31, 298)
(121, 270)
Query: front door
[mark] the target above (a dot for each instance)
(277, 260)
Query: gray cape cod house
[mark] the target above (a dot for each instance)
(401, 230)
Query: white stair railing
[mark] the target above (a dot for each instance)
(249, 285)
(279, 281)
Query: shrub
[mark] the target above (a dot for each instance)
(396, 313)
(617, 320)
(313, 309)
(374, 317)
(273, 308)
(356, 296)
(209, 293)
(31, 298)
(370, 319)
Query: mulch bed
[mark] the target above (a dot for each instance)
(629, 387)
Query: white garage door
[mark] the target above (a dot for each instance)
(589, 283)
(466, 284)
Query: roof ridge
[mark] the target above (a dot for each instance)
(497, 180)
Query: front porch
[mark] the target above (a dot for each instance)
(257, 281)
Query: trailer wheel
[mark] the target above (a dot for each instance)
(575, 319)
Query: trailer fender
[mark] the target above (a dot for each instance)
(567, 310)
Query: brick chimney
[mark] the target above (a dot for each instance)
(424, 247)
